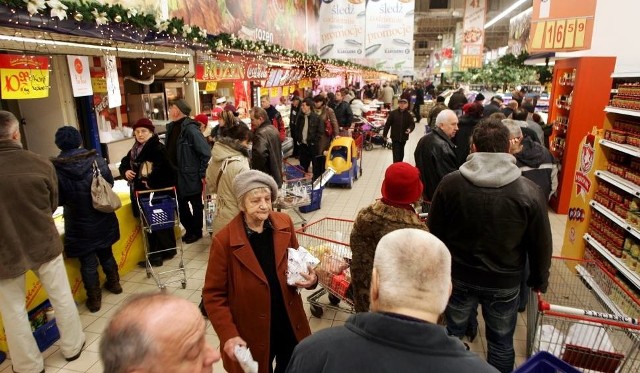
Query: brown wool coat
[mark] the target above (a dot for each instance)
(371, 224)
(236, 291)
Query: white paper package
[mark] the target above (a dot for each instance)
(245, 359)
(299, 261)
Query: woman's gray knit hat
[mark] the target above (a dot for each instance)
(252, 179)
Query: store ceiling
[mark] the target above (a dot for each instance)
(432, 23)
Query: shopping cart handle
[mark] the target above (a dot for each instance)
(542, 305)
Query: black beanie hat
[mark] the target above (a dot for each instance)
(68, 138)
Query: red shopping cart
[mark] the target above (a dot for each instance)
(587, 318)
(328, 240)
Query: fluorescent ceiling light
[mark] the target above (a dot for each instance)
(89, 46)
(504, 13)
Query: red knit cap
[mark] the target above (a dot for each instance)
(146, 123)
(401, 184)
(202, 118)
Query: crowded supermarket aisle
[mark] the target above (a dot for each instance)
(336, 202)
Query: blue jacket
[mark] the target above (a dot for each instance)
(85, 228)
(193, 157)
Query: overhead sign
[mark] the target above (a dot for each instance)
(561, 25)
(24, 77)
(113, 84)
(80, 75)
(342, 29)
(389, 34)
(473, 33)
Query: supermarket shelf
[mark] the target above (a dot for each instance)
(624, 270)
(613, 308)
(628, 149)
(617, 110)
(615, 218)
(621, 183)
(626, 75)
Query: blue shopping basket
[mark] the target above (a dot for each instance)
(544, 362)
(160, 212)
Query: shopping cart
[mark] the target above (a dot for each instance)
(295, 191)
(587, 318)
(328, 240)
(159, 212)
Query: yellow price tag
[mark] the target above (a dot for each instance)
(211, 86)
(570, 33)
(581, 29)
(274, 92)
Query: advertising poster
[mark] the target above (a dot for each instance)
(280, 22)
(24, 77)
(389, 34)
(561, 25)
(342, 31)
(113, 85)
(80, 75)
(519, 29)
(473, 33)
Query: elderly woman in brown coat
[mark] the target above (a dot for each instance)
(246, 294)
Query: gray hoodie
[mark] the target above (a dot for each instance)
(490, 170)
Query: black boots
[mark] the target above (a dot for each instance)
(113, 282)
(94, 299)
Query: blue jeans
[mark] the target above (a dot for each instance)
(89, 266)
(499, 309)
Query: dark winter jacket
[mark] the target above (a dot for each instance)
(435, 157)
(376, 342)
(266, 154)
(344, 115)
(490, 218)
(466, 124)
(315, 131)
(457, 101)
(399, 122)
(85, 228)
(193, 155)
(275, 118)
(490, 108)
(326, 113)
(538, 165)
(371, 224)
(163, 173)
(433, 113)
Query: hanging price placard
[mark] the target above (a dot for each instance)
(24, 77)
(561, 26)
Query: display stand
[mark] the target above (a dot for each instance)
(603, 224)
(580, 90)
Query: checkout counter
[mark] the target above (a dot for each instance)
(128, 251)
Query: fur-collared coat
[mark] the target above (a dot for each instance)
(232, 158)
(371, 224)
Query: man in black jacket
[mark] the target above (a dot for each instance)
(457, 101)
(435, 154)
(491, 217)
(309, 129)
(401, 124)
(293, 119)
(344, 115)
(397, 335)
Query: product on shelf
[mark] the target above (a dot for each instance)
(616, 136)
(629, 89)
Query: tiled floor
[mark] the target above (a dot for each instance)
(336, 202)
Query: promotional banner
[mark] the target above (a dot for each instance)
(342, 31)
(113, 85)
(23, 77)
(519, 30)
(281, 22)
(389, 34)
(561, 25)
(473, 33)
(80, 75)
